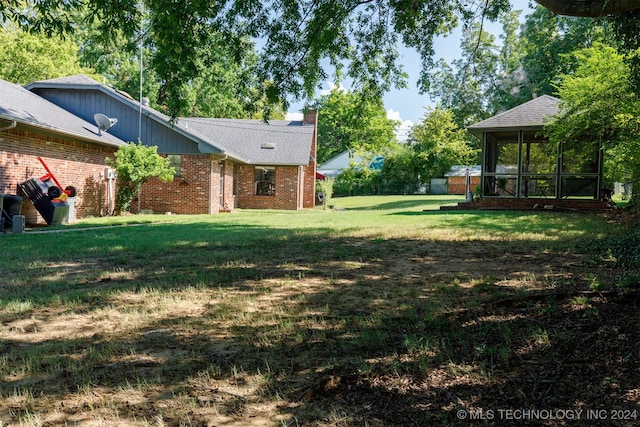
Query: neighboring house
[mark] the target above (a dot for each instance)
(32, 127)
(220, 163)
(521, 170)
(332, 167)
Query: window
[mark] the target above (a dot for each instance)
(175, 161)
(265, 180)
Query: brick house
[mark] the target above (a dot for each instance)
(220, 163)
(520, 170)
(32, 127)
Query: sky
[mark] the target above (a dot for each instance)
(407, 105)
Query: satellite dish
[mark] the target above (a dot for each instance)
(103, 122)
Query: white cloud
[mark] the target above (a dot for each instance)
(402, 131)
(392, 114)
(294, 116)
(332, 86)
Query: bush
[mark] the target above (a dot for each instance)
(135, 164)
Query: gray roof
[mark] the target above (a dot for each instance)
(278, 142)
(79, 80)
(531, 115)
(24, 107)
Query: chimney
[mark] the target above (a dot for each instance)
(310, 117)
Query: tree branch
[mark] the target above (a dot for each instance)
(590, 8)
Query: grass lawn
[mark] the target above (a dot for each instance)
(384, 311)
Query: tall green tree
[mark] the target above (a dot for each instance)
(26, 57)
(225, 82)
(625, 27)
(600, 109)
(546, 40)
(349, 121)
(136, 164)
(401, 171)
(494, 76)
(438, 144)
(301, 39)
(484, 79)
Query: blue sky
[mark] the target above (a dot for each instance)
(407, 105)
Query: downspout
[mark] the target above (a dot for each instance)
(11, 126)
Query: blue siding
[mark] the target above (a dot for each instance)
(86, 103)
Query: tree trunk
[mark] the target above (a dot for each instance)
(589, 8)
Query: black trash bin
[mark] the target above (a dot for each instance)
(11, 205)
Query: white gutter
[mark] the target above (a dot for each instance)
(68, 133)
(11, 126)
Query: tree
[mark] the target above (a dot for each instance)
(438, 144)
(401, 171)
(492, 77)
(599, 109)
(626, 30)
(223, 87)
(27, 57)
(136, 164)
(117, 60)
(350, 121)
(325, 188)
(590, 8)
(482, 81)
(300, 39)
(546, 40)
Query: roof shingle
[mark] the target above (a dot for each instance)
(23, 106)
(242, 139)
(278, 142)
(530, 115)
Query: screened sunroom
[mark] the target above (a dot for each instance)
(518, 163)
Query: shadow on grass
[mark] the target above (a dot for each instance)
(515, 222)
(428, 203)
(339, 330)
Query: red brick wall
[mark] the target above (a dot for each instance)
(229, 197)
(189, 193)
(73, 163)
(456, 184)
(199, 182)
(286, 194)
